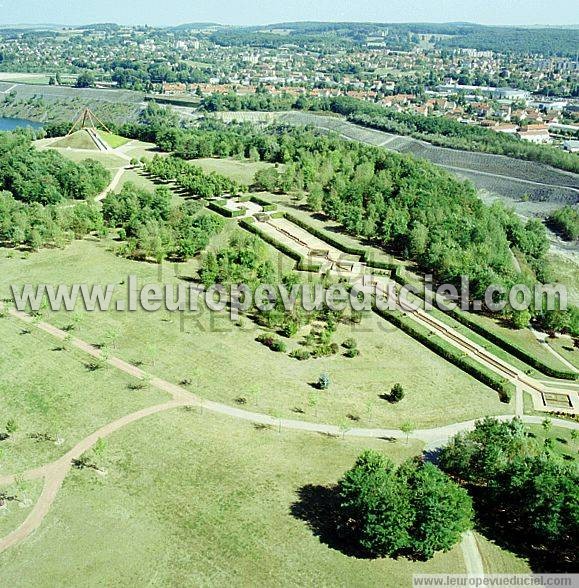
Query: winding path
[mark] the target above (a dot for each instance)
(55, 472)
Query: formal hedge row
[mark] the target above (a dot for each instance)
(364, 253)
(513, 349)
(267, 206)
(217, 207)
(397, 276)
(499, 341)
(303, 264)
(450, 353)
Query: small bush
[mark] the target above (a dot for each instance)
(279, 346)
(352, 352)
(324, 381)
(272, 342)
(397, 393)
(300, 354)
(350, 343)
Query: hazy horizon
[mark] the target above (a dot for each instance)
(177, 12)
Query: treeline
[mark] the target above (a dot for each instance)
(152, 228)
(565, 222)
(33, 225)
(446, 132)
(191, 177)
(46, 177)
(258, 101)
(526, 496)
(438, 130)
(407, 206)
(547, 41)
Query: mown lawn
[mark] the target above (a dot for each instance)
(191, 499)
(240, 171)
(224, 362)
(499, 561)
(54, 399)
(22, 496)
(112, 140)
(566, 348)
(563, 443)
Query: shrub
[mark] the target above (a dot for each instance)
(279, 346)
(353, 352)
(350, 343)
(396, 394)
(300, 354)
(272, 342)
(289, 328)
(324, 381)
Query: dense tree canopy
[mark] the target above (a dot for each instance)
(413, 510)
(34, 225)
(45, 176)
(154, 228)
(520, 485)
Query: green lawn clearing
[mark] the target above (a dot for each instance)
(192, 499)
(54, 398)
(240, 171)
(112, 140)
(224, 362)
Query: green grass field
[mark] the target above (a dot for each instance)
(499, 561)
(51, 392)
(240, 171)
(226, 363)
(564, 444)
(192, 499)
(113, 140)
(34, 78)
(23, 494)
(566, 348)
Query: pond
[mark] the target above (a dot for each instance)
(9, 124)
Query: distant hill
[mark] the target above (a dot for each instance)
(194, 26)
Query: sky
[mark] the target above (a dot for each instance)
(171, 12)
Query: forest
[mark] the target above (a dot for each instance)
(439, 131)
(46, 177)
(525, 495)
(407, 206)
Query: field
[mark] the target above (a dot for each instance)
(564, 445)
(34, 78)
(565, 347)
(240, 171)
(59, 400)
(193, 499)
(228, 364)
(14, 512)
(113, 140)
(187, 496)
